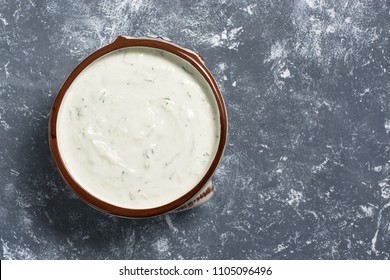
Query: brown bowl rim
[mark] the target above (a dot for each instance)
(119, 43)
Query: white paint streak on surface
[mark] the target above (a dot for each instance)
(385, 188)
(387, 125)
(285, 73)
(319, 167)
(294, 197)
(5, 125)
(170, 224)
(317, 22)
(16, 252)
(367, 210)
(375, 238)
(250, 9)
(6, 69)
(228, 38)
(278, 51)
(378, 168)
(162, 245)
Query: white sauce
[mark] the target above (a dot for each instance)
(138, 128)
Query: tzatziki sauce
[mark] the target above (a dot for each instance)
(138, 128)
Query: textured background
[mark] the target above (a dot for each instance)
(306, 173)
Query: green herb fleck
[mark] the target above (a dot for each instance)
(78, 112)
(102, 97)
(172, 160)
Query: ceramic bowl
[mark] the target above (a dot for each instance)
(202, 191)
